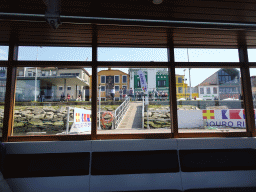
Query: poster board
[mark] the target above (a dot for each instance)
(82, 120)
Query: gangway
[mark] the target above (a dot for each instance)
(120, 112)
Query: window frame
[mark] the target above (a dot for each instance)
(102, 87)
(123, 78)
(201, 90)
(115, 78)
(208, 90)
(104, 79)
(12, 64)
(118, 88)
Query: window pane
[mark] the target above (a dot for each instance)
(116, 88)
(103, 88)
(210, 110)
(34, 53)
(252, 55)
(43, 104)
(253, 85)
(132, 54)
(103, 79)
(116, 79)
(3, 72)
(124, 79)
(4, 50)
(122, 109)
(206, 55)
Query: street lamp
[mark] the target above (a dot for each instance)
(36, 73)
(190, 84)
(185, 87)
(184, 83)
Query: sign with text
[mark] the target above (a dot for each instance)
(82, 120)
(234, 118)
(144, 85)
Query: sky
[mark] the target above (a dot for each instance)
(135, 54)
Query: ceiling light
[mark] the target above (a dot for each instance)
(157, 1)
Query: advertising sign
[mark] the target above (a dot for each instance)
(82, 120)
(234, 118)
(143, 83)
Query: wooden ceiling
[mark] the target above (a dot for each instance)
(35, 30)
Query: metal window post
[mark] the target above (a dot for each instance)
(99, 104)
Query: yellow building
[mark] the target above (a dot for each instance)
(182, 88)
(113, 79)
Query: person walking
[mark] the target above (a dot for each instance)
(131, 93)
(112, 93)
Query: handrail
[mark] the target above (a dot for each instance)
(120, 112)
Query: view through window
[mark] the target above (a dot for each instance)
(3, 74)
(57, 100)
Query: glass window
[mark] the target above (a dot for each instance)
(41, 105)
(41, 53)
(201, 90)
(132, 54)
(116, 79)
(180, 90)
(214, 90)
(69, 88)
(161, 83)
(206, 55)
(208, 90)
(253, 86)
(124, 79)
(102, 88)
(103, 79)
(116, 88)
(220, 112)
(158, 118)
(3, 70)
(21, 73)
(4, 51)
(180, 80)
(252, 55)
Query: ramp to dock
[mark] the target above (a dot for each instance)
(133, 117)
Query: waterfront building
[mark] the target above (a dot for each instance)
(51, 83)
(113, 79)
(158, 80)
(223, 84)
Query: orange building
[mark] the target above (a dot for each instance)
(113, 79)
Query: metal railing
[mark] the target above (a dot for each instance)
(120, 112)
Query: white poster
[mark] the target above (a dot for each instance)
(82, 120)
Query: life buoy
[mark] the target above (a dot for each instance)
(106, 121)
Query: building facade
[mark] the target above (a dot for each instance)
(49, 83)
(223, 84)
(158, 80)
(113, 79)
